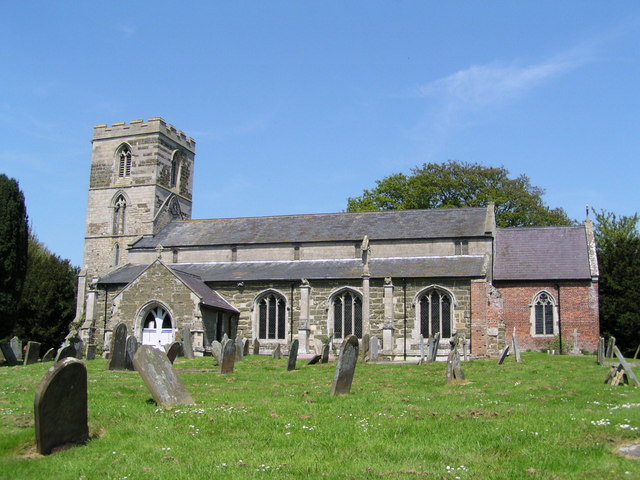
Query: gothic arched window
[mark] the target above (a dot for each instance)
(272, 310)
(346, 307)
(176, 162)
(124, 161)
(435, 313)
(544, 314)
(119, 215)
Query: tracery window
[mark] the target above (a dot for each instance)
(544, 314)
(124, 161)
(272, 309)
(347, 314)
(435, 313)
(119, 215)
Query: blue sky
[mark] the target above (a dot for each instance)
(298, 105)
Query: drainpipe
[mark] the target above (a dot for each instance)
(559, 318)
(404, 303)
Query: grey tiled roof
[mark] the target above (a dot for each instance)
(552, 253)
(208, 297)
(410, 267)
(397, 224)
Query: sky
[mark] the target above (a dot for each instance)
(298, 105)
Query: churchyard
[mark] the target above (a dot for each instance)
(548, 417)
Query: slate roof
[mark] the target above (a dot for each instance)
(551, 253)
(208, 297)
(410, 267)
(330, 227)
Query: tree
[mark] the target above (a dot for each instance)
(47, 306)
(618, 245)
(461, 184)
(13, 251)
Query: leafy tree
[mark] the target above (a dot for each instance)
(13, 251)
(48, 302)
(461, 184)
(618, 245)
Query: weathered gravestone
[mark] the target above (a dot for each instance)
(49, 355)
(374, 348)
(421, 346)
(627, 368)
(2, 359)
(91, 351)
(118, 359)
(315, 359)
(239, 348)
(9, 355)
(366, 338)
(346, 367)
(601, 354)
(160, 377)
(65, 352)
(33, 353)
(131, 348)
(60, 407)
(610, 345)
(503, 354)
(454, 366)
(576, 349)
(635, 356)
(277, 352)
(79, 345)
(516, 348)
(434, 345)
(16, 346)
(216, 351)
(325, 353)
(187, 346)
(225, 337)
(173, 351)
(317, 344)
(256, 347)
(293, 355)
(247, 348)
(465, 348)
(228, 357)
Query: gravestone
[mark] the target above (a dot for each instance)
(49, 355)
(118, 359)
(516, 348)
(366, 346)
(317, 344)
(627, 368)
(601, 351)
(33, 353)
(575, 350)
(256, 347)
(228, 357)
(325, 353)
(187, 346)
(9, 355)
(293, 355)
(346, 367)
(454, 366)
(247, 348)
(610, 346)
(160, 377)
(2, 359)
(216, 351)
(421, 345)
(277, 352)
(315, 359)
(16, 346)
(503, 354)
(60, 407)
(79, 345)
(225, 337)
(91, 351)
(374, 348)
(239, 348)
(173, 351)
(65, 352)
(465, 349)
(432, 351)
(130, 350)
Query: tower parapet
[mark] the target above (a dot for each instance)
(155, 125)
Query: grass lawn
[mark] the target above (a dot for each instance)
(550, 417)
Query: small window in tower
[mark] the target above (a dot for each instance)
(124, 161)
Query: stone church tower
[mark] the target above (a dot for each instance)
(141, 179)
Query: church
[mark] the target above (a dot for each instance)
(399, 275)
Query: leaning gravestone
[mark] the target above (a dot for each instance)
(374, 349)
(454, 366)
(9, 355)
(516, 348)
(346, 367)
(228, 357)
(187, 346)
(119, 348)
(503, 355)
(293, 355)
(160, 377)
(610, 345)
(216, 351)
(365, 347)
(325, 353)
(247, 348)
(627, 368)
(130, 350)
(315, 359)
(173, 351)
(60, 407)
(91, 351)
(49, 355)
(33, 353)
(433, 348)
(277, 352)
(239, 348)
(65, 352)
(256, 347)
(16, 346)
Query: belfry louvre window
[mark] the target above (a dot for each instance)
(435, 313)
(272, 317)
(124, 162)
(544, 314)
(347, 315)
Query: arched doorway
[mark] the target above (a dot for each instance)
(157, 328)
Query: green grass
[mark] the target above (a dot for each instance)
(550, 417)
